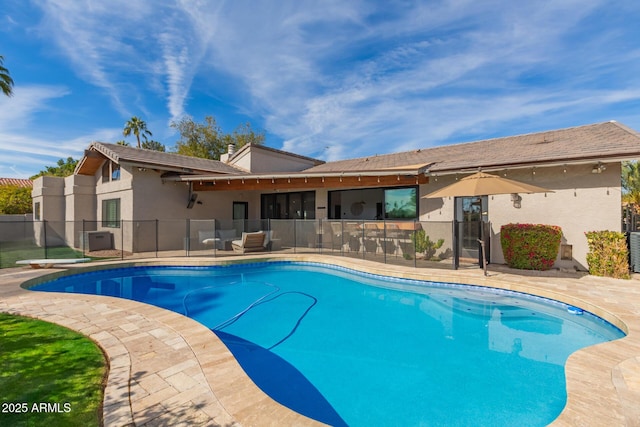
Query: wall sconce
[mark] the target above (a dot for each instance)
(598, 168)
(517, 200)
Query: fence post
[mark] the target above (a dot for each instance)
(157, 236)
(454, 233)
(44, 230)
(363, 247)
(384, 240)
(121, 238)
(413, 243)
(187, 237)
(342, 237)
(295, 236)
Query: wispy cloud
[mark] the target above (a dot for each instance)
(337, 79)
(26, 102)
(25, 151)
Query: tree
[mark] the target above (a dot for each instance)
(631, 182)
(6, 82)
(154, 145)
(208, 141)
(123, 143)
(137, 127)
(64, 168)
(15, 200)
(243, 135)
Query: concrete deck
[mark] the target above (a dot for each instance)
(166, 369)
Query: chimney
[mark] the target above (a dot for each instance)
(231, 150)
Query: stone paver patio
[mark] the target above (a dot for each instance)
(166, 369)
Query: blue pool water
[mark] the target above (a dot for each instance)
(348, 348)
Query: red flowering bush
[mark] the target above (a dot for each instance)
(530, 246)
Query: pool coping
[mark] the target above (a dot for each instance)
(174, 369)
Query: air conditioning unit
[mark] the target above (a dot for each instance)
(97, 240)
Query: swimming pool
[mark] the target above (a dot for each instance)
(350, 348)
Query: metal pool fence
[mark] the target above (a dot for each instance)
(409, 243)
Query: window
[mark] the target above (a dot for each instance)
(110, 171)
(400, 203)
(115, 172)
(36, 211)
(296, 205)
(111, 213)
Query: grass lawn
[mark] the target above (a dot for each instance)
(49, 375)
(9, 254)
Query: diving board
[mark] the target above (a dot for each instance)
(48, 263)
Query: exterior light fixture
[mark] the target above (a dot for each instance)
(517, 200)
(598, 168)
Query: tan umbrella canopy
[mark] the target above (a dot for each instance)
(484, 184)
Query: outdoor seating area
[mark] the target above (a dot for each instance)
(390, 242)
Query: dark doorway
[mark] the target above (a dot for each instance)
(471, 213)
(240, 215)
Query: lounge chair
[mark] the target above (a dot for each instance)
(250, 242)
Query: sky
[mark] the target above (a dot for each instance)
(331, 80)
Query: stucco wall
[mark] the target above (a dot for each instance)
(80, 204)
(49, 192)
(582, 201)
(259, 161)
(168, 201)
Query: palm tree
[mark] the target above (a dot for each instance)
(6, 82)
(136, 126)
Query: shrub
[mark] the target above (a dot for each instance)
(424, 245)
(530, 246)
(608, 254)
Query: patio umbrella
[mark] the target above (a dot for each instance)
(484, 184)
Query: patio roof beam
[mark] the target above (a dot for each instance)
(306, 182)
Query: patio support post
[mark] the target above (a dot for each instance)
(83, 238)
(295, 236)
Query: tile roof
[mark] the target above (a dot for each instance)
(16, 182)
(599, 141)
(119, 153)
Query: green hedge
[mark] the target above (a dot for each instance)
(608, 254)
(530, 246)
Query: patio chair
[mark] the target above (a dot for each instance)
(250, 242)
